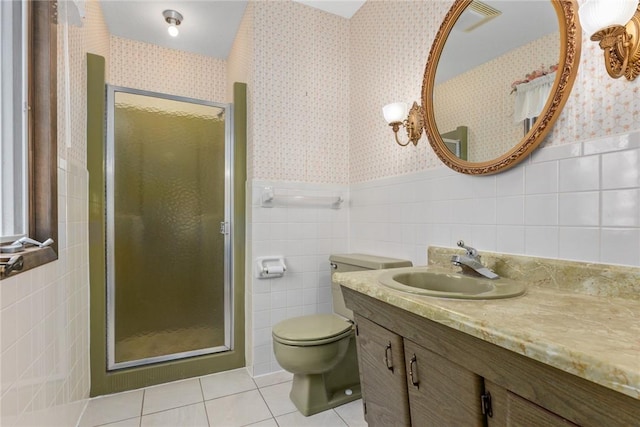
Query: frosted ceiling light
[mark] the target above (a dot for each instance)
(174, 19)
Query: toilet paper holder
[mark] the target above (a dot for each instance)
(268, 267)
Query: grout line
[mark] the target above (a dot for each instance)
(206, 413)
(338, 414)
(231, 394)
(172, 408)
(144, 393)
(118, 421)
(266, 404)
(201, 388)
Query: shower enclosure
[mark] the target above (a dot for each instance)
(169, 210)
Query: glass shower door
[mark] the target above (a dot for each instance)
(168, 217)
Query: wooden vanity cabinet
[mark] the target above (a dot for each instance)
(509, 409)
(382, 375)
(453, 375)
(441, 393)
(404, 383)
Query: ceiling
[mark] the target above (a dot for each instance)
(209, 27)
(521, 22)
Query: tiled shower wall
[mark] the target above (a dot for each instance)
(44, 313)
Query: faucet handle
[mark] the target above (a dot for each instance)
(472, 252)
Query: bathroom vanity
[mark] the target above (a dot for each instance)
(553, 356)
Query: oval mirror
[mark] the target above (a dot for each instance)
(497, 77)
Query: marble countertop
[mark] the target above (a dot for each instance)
(593, 337)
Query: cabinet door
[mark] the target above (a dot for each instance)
(382, 375)
(509, 409)
(441, 393)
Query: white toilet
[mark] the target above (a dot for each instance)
(320, 350)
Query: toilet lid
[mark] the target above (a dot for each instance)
(311, 328)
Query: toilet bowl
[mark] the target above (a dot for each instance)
(320, 349)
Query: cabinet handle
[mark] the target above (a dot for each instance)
(388, 358)
(413, 371)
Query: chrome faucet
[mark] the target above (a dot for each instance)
(470, 262)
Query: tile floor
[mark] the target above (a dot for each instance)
(230, 398)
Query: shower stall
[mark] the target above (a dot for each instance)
(169, 215)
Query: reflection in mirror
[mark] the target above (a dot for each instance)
(457, 142)
(496, 73)
(494, 67)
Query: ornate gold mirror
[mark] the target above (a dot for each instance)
(497, 77)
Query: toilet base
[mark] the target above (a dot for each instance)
(310, 395)
(313, 393)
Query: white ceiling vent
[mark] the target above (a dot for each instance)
(475, 15)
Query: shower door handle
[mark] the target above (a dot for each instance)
(224, 228)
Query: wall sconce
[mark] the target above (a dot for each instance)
(616, 25)
(396, 115)
(174, 19)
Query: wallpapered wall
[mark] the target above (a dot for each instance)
(240, 69)
(300, 94)
(92, 36)
(481, 98)
(387, 64)
(153, 68)
(389, 44)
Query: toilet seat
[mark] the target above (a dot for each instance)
(311, 330)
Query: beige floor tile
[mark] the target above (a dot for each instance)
(237, 410)
(352, 413)
(277, 398)
(171, 395)
(323, 419)
(226, 383)
(185, 416)
(275, 378)
(112, 408)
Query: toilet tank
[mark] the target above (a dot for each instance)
(342, 263)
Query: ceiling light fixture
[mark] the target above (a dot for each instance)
(174, 19)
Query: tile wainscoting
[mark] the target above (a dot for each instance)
(44, 317)
(305, 236)
(578, 201)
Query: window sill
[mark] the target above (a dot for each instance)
(32, 257)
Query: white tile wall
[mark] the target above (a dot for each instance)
(305, 236)
(44, 341)
(44, 312)
(558, 203)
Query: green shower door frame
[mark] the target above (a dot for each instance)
(169, 250)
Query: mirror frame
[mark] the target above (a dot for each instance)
(570, 45)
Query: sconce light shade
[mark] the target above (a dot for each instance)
(598, 14)
(615, 24)
(395, 112)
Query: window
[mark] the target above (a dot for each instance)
(28, 144)
(13, 121)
